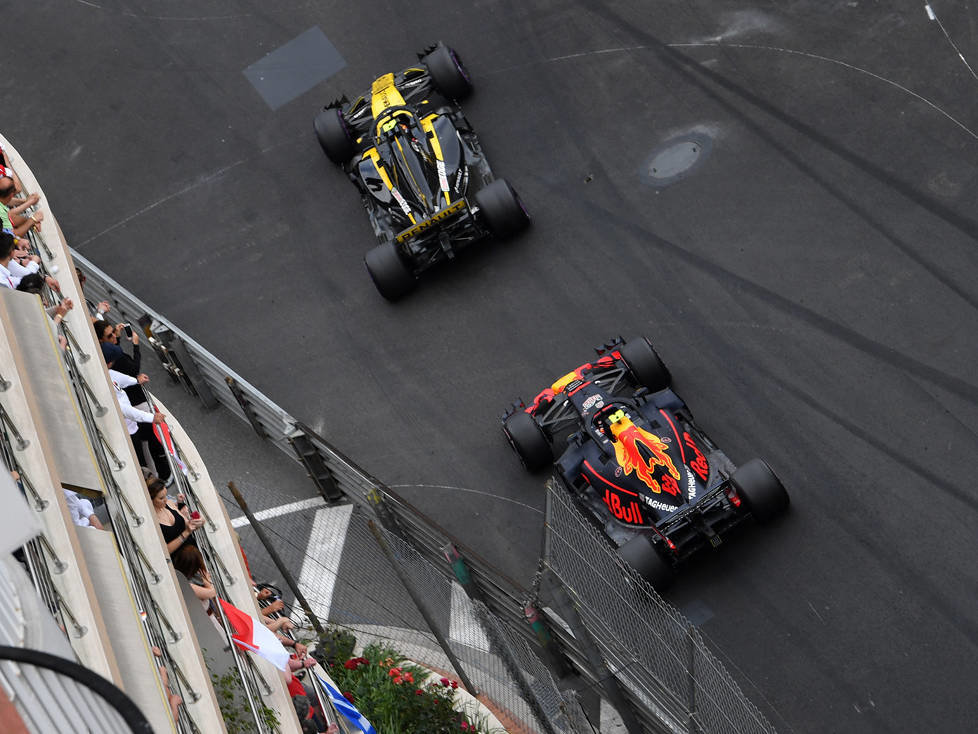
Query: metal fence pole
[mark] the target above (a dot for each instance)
(691, 726)
(277, 560)
(446, 648)
(609, 684)
(501, 647)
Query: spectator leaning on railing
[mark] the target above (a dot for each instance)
(81, 510)
(13, 264)
(7, 170)
(178, 529)
(12, 209)
(140, 423)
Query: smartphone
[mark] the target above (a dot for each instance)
(128, 328)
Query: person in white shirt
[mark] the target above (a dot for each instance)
(12, 271)
(81, 510)
(140, 423)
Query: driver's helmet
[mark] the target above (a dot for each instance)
(607, 420)
(397, 121)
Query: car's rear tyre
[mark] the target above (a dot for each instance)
(447, 72)
(641, 554)
(502, 209)
(334, 135)
(389, 272)
(760, 489)
(644, 363)
(528, 441)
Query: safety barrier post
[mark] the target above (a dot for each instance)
(422, 609)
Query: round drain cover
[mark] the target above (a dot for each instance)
(676, 159)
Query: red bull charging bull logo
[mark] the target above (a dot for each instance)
(640, 451)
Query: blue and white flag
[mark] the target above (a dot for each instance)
(346, 708)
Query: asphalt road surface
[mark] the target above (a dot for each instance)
(780, 195)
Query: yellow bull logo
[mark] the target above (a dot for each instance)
(640, 451)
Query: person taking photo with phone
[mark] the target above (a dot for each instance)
(110, 338)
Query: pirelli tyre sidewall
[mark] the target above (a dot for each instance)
(641, 554)
(501, 209)
(528, 441)
(447, 73)
(644, 363)
(390, 274)
(760, 489)
(334, 135)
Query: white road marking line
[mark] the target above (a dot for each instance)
(463, 626)
(611, 722)
(321, 565)
(277, 511)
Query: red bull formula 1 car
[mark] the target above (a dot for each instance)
(637, 464)
(420, 169)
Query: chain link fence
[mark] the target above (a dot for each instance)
(657, 657)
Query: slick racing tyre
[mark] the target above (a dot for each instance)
(334, 135)
(447, 72)
(388, 271)
(528, 441)
(760, 489)
(502, 209)
(642, 555)
(644, 363)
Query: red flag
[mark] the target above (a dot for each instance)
(250, 634)
(162, 431)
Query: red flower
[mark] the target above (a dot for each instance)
(394, 672)
(436, 700)
(397, 680)
(444, 681)
(348, 696)
(351, 664)
(409, 678)
(454, 684)
(418, 692)
(465, 725)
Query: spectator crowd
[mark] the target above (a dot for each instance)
(22, 269)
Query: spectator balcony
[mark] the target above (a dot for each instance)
(124, 612)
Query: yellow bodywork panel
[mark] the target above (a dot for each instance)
(427, 124)
(564, 381)
(384, 94)
(374, 156)
(429, 130)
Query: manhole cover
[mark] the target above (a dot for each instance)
(676, 159)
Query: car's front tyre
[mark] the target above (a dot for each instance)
(390, 274)
(644, 363)
(447, 73)
(528, 441)
(334, 135)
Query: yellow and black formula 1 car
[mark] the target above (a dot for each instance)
(420, 170)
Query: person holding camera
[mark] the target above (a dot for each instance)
(109, 338)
